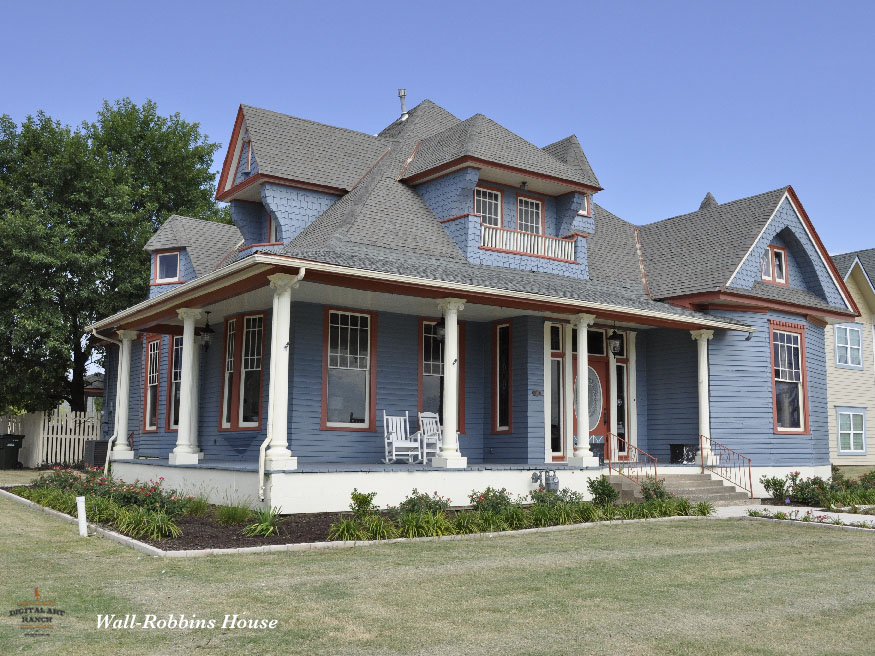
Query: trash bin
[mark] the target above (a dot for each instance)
(9, 446)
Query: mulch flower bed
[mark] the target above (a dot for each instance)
(203, 532)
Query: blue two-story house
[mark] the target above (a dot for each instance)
(450, 266)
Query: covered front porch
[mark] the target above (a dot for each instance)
(293, 370)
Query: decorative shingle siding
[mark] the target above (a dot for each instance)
(671, 391)
(294, 209)
(186, 273)
(450, 195)
(742, 400)
(243, 172)
(251, 220)
(567, 219)
(806, 265)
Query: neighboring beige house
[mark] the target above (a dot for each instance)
(850, 370)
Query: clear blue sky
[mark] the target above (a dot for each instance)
(669, 99)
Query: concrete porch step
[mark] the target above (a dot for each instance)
(694, 487)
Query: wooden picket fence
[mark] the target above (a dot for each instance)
(53, 438)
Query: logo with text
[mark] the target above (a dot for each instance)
(37, 617)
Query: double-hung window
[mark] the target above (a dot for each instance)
(167, 267)
(852, 430)
(175, 383)
(529, 211)
(243, 372)
(487, 203)
(153, 377)
(431, 381)
(348, 374)
(849, 346)
(788, 366)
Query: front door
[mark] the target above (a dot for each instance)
(599, 418)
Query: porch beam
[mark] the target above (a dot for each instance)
(449, 456)
(122, 449)
(186, 452)
(702, 337)
(278, 455)
(583, 457)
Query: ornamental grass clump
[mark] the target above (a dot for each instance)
(265, 525)
(232, 514)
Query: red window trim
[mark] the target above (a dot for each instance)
(543, 213)
(799, 329)
(372, 373)
(147, 340)
(238, 365)
(495, 429)
(500, 193)
(168, 407)
(773, 280)
(460, 410)
(154, 281)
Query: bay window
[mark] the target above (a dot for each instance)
(789, 377)
(348, 371)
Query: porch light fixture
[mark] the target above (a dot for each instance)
(524, 185)
(207, 334)
(615, 342)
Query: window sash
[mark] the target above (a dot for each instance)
(851, 432)
(766, 265)
(249, 412)
(780, 265)
(172, 271)
(487, 203)
(228, 391)
(153, 351)
(502, 378)
(788, 379)
(849, 345)
(348, 402)
(175, 382)
(529, 215)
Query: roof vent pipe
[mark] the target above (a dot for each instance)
(402, 93)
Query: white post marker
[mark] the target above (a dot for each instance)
(83, 525)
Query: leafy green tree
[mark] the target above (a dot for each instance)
(76, 208)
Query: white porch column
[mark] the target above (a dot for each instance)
(185, 452)
(583, 457)
(702, 337)
(449, 456)
(122, 450)
(195, 394)
(278, 455)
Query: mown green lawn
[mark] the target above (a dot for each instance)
(686, 587)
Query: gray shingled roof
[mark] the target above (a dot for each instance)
(298, 149)
(611, 251)
(483, 138)
(432, 117)
(207, 242)
(845, 261)
(569, 151)
(699, 251)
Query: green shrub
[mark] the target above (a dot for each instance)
(628, 511)
(411, 525)
(422, 502)
(704, 508)
(562, 514)
(490, 499)
(541, 515)
(346, 529)
(197, 506)
(654, 489)
(436, 523)
(603, 493)
(138, 522)
(490, 521)
(265, 524)
(683, 507)
(362, 503)
(465, 523)
(233, 514)
(589, 512)
(377, 527)
(515, 516)
(101, 509)
(775, 486)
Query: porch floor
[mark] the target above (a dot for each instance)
(321, 467)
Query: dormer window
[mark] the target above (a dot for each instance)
(487, 203)
(167, 267)
(585, 208)
(773, 266)
(529, 215)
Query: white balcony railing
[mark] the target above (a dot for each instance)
(526, 243)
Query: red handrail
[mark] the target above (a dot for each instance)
(727, 463)
(636, 467)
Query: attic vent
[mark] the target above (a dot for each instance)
(708, 202)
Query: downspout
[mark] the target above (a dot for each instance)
(263, 448)
(114, 435)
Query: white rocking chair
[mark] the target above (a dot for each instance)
(430, 434)
(398, 441)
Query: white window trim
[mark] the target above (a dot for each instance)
(783, 253)
(367, 422)
(849, 327)
(841, 410)
(158, 257)
(540, 204)
(228, 395)
(175, 365)
(156, 343)
(767, 259)
(800, 382)
(500, 194)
